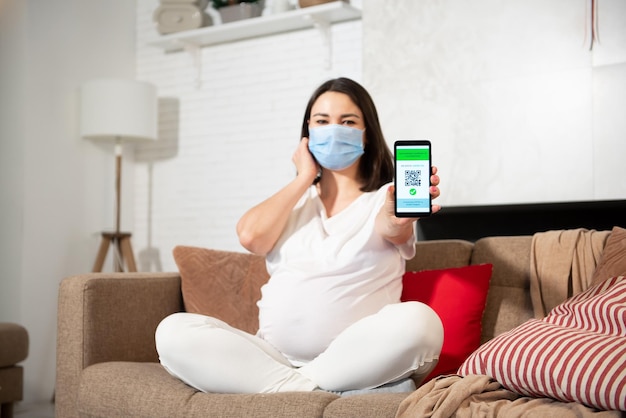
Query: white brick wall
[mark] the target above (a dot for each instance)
(227, 144)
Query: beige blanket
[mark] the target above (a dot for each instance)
(481, 396)
(562, 264)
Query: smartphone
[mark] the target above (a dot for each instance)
(412, 160)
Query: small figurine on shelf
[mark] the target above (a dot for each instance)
(180, 15)
(273, 7)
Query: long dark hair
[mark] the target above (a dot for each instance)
(376, 164)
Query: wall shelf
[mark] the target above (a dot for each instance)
(320, 16)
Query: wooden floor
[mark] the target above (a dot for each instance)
(34, 410)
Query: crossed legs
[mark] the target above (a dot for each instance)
(211, 356)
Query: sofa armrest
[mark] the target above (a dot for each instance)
(108, 317)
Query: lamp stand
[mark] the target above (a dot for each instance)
(120, 240)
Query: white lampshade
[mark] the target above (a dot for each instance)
(117, 108)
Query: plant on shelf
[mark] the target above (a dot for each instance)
(223, 3)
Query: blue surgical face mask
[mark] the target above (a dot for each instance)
(336, 147)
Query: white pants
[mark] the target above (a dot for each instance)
(400, 340)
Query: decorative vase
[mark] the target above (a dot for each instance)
(240, 11)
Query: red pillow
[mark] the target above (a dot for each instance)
(458, 295)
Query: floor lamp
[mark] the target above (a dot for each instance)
(121, 111)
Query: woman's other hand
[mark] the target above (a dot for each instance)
(304, 161)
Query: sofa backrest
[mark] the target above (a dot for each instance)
(440, 254)
(508, 300)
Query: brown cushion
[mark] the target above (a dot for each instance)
(379, 405)
(222, 284)
(613, 260)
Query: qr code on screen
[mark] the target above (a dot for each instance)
(413, 178)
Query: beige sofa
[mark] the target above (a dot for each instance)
(107, 365)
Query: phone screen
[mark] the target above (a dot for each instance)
(412, 160)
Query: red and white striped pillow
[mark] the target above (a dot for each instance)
(576, 353)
